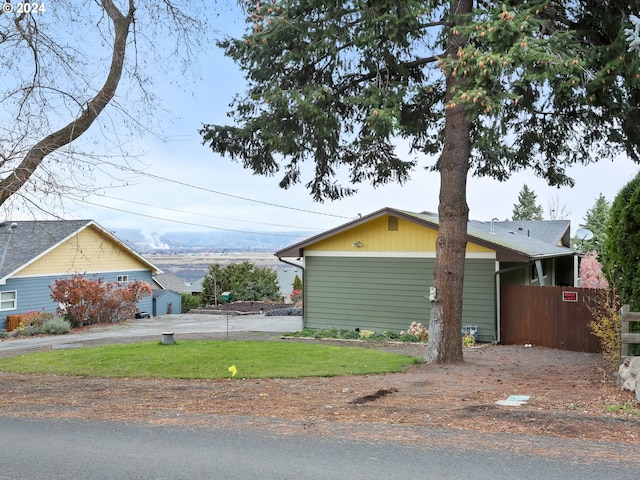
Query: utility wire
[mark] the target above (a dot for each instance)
(199, 214)
(188, 223)
(197, 187)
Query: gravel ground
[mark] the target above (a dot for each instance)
(570, 397)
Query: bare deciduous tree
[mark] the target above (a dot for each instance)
(557, 210)
(64, 66)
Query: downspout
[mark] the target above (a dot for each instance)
(496, 333)
(304, 280)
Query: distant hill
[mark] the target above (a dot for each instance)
(214, 241)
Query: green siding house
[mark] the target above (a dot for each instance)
(376, 272)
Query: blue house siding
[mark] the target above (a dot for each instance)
(162, 299)
(33, 293)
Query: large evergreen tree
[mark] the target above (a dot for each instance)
(526, 208)
(595, 220)
(622, 244)
(489, 87)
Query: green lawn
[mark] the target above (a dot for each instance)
(210, 360)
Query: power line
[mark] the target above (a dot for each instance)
(205, 189)
(187, 223)
(202, 214)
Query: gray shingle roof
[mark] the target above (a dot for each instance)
(534, 245)
(535, 239)
(168, 281)
(555, 232)
(196, 287)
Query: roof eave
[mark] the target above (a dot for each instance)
(553, 255)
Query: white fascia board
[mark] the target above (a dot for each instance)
(326, 253)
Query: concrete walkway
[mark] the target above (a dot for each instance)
(145, 328)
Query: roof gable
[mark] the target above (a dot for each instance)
(377, 235)
(64, 246)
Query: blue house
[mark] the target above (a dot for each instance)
(36, 253)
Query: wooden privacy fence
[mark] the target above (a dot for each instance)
(625, 317)
(13, 321)
(553, 317)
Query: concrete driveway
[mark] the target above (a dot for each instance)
(186, 325)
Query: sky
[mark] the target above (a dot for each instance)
(185, 187)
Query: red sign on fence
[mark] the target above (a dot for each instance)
(569, 296)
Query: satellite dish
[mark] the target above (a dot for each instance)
(584, 234)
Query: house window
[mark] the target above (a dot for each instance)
(8, 300)
(393, 223)
(123, 278)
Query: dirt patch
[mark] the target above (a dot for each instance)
(569, 395)
(372, 398)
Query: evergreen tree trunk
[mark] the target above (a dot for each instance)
(445, 324)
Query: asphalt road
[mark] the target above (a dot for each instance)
(62, 449)
(145, 328)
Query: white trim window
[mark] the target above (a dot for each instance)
(123, 278)
(9, 300)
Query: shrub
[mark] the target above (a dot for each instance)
(24, 330)
(36, 319)
(468, 340)
(86, 301)
(72, 319)
(189, 302)
(296, 296)
(333, 333)
(56, 326)
(366, 335)
(391, 335)
(418, 330)
(606, 324)
(408, 338)
(349, 334)
(621, 243)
